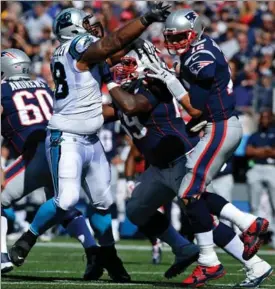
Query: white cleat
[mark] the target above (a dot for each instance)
(255, 275)
(6, 265)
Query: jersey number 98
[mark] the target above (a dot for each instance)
(61, 86)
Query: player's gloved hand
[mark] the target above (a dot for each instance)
(130, 185)
(157, 13)
(173, 84)
(195, 125)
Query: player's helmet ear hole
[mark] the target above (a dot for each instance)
(126, 70)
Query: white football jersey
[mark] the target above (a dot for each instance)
(77, 106)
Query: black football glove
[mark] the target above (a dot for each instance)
(158, 13)
(195, 125)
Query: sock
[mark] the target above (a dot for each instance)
(201, 222)
(235, 248)
(47, 216)
(10, 215)
(214, 202)
(4, 230)
(208, 256)
(101, 222)
(173, 239)
(78, 229)
(240, 219)
(223, 235)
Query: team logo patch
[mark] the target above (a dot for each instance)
(8, 54)
(84, 42)
(191, 16)
(196, 67)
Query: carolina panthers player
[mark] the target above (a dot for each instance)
(206, 74)
(159, 133)
(26, 110)
(74, 152)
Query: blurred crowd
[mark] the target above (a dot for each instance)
(243, 29)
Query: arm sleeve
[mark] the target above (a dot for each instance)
(80, 44)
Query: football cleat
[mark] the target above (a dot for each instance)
(113, 264)
(202, 274)
(94, 269)
(6, 265)
(251, 237)
(255, 275)
(156, 253)
(20, 250)
(188, 255)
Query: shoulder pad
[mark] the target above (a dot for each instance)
(80, 44)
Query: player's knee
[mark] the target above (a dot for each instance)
(134, 213)
(6, 199)
(104, 201)
(67, 199)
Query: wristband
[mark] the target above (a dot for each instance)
(112, 85)
(145, 21)
(129, 179)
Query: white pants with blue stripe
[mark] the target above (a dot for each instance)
(214, 149)
(78, 161)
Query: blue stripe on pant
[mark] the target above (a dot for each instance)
(206, 158)
(55, 152)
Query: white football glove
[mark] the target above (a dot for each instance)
(130, 185)
(173, 84)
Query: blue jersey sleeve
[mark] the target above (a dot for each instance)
(80, 44)
(203, 65)
(152, 99)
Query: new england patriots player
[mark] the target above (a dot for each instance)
(205, 73)
(159, 132)
(26, 110)
(74, 152)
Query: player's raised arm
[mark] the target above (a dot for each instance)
(119, 39)
(129, 103)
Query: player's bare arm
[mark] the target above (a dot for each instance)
(116, 41)
(128, 103)
(109, 113)
(259, 153)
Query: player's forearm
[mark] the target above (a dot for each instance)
(185, 102)
(109, 113)
(113, 43)
(259, 153)
(130, 166)
(128, 103)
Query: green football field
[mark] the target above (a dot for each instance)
(61, 265)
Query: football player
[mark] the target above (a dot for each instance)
(26, 109)
(74, 152)
(159, 132)
(204, 71)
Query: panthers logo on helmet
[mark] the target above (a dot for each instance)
(64, 21)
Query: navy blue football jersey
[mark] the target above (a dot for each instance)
(205, 73)
(108, 138)
(261, 139)
(160, 134)
(27, 107)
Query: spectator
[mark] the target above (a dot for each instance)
(243, 56)
(262, 95)
(261, 151)
(36, 20)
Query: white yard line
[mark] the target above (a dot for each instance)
(131, 247)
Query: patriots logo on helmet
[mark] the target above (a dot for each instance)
(191, 16)
(196, 67)
(8, 54)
